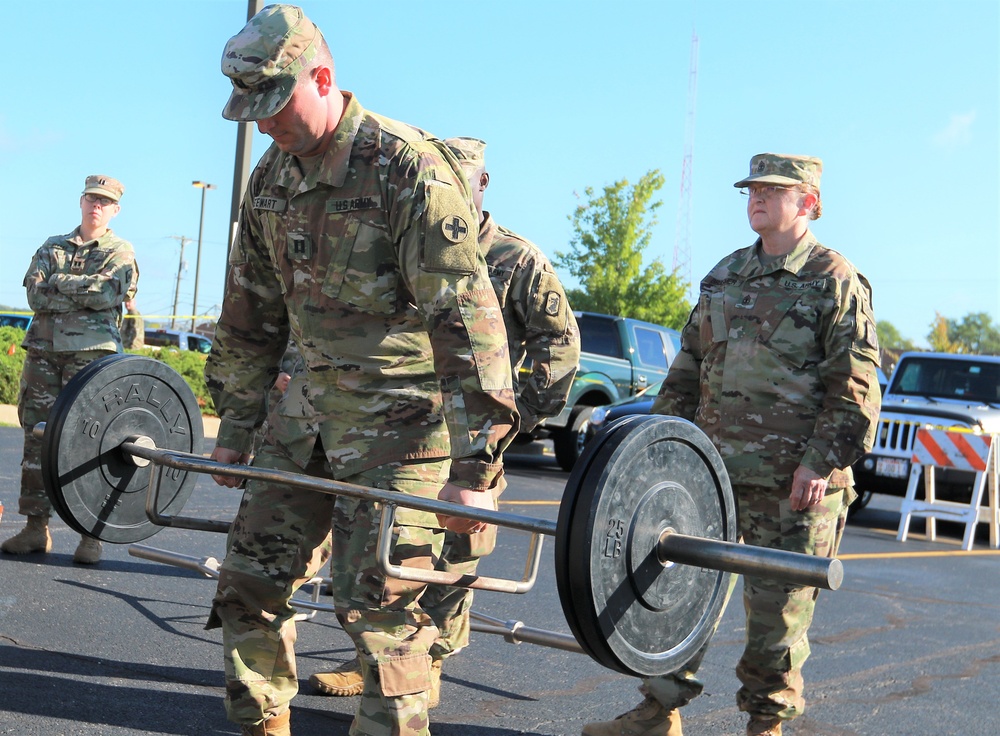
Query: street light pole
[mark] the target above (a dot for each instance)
(197, 268)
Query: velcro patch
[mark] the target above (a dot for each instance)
(793, 285)
(299, 246)
(450, 244)
(548, 311)
(271, 204)
(553, 302)
(351, 204)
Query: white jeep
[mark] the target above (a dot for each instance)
(939, 390)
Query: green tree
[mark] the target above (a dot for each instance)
(889, 338)
(611, 232)
(891, 343)
(938, 336)
(975, 334)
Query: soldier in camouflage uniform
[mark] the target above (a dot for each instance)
(291, 363)
(778, 367)
(355, 239)
(76, 284)
(540, 327)
(133, 328)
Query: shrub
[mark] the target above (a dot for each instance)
(11, 363)
(191, 366)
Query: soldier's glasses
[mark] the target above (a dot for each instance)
(98, 199)
(765, 192)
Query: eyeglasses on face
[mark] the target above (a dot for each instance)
(766, 192)
(98, 199)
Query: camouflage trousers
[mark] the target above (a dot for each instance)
(44, 375)
(778, 614)
(449, 606)
(278, 541)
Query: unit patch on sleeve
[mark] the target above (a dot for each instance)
(449, 243)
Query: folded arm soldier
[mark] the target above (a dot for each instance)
(778, 367)
(356, 240)
(75, 284)
(540, 327)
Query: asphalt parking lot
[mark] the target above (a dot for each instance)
(909, 645)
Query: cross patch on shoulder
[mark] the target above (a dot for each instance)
(454, 228)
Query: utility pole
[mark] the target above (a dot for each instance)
(180, 267)
(682, 238)
(197, 266)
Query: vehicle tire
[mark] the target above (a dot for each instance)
(569, 441)
(864, 497)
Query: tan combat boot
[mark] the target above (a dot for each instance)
(434, 696)
(344, 681)
(34, 537)
(649, 718)
(347, 680)
(88, 552)
(764, 726)
(273, 726)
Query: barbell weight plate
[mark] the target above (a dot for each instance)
(629, 611)
(567, 507)
(93, 484)
(49, 476)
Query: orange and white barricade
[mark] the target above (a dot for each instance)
(942, 448)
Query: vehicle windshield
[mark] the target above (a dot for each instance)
(15, 320)
(652, 390)
(968, 380)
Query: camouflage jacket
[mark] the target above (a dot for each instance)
(133, 330)
(778, 365)
(365, 257)
(76, 290)
(540, 324)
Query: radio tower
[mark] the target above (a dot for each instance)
(682, 238)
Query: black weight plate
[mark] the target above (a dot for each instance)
(632, 613)
(575, 597)
(567, 509)
(53, 427)
(94, 486)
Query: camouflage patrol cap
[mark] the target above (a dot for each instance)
(470, 152)
(779, 168)
(104, 186)
(264, 60)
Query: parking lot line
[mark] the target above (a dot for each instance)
(928, 553)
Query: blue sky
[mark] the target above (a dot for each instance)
(898, 98)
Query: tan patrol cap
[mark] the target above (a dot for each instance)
(780, 168)
(104, 186)
(470, 152)
(264, 60)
